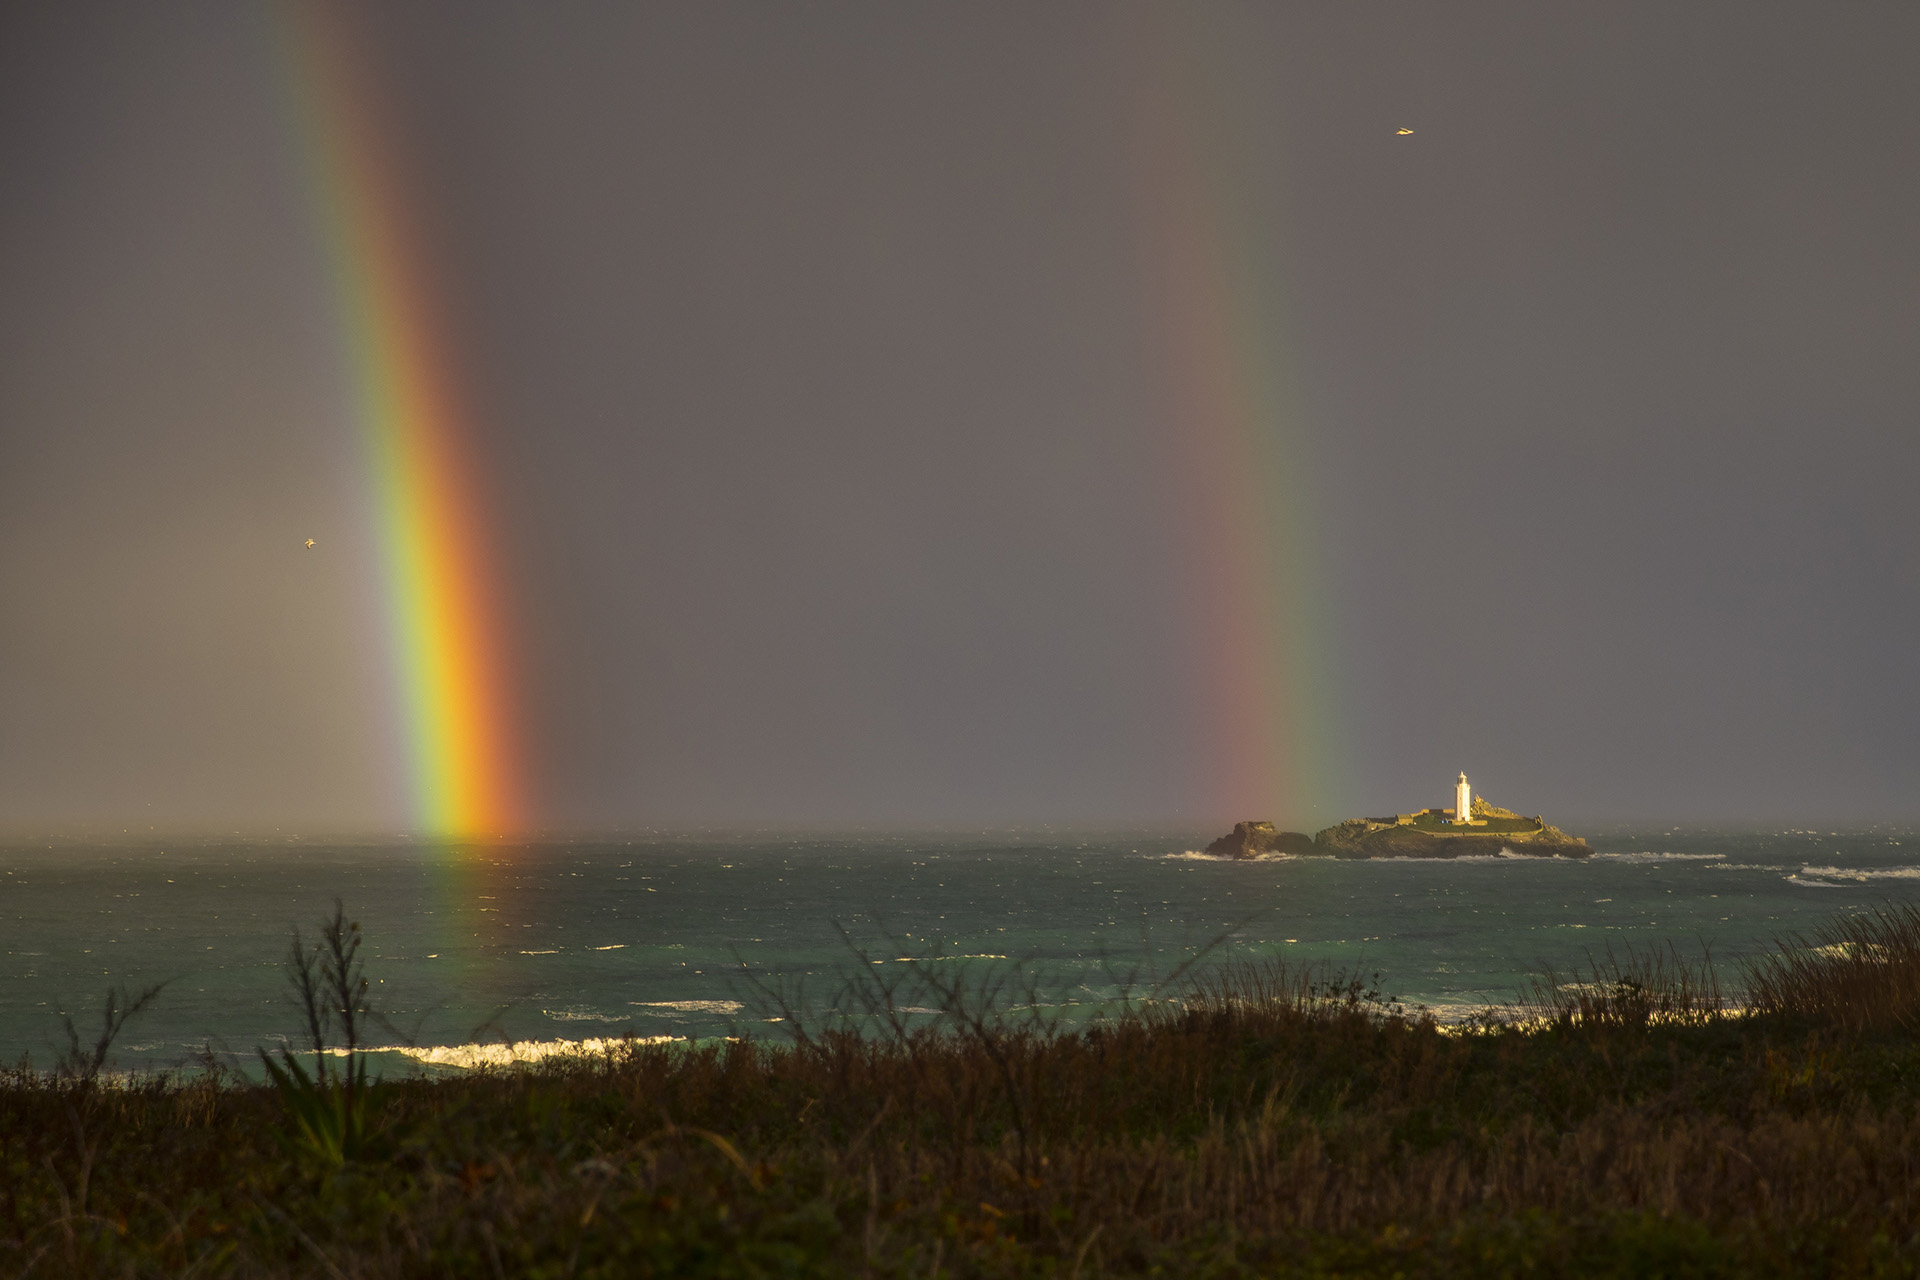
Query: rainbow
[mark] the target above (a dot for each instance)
(1221, 348)
(445, 611)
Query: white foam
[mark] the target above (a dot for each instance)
(472, 1056)
(1662, 857)
(1863, 874)
(1851, 951)
(690, 1006)
(582, 1015)
(1815, 884)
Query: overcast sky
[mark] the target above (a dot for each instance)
(811, 348)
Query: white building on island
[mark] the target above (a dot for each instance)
(1463, 802)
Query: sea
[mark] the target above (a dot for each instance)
(499, 953)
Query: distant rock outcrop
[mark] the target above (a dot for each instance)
(1430, 833)
(1260, 840)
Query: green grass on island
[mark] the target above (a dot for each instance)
(1254, 1120)
(1433, 822)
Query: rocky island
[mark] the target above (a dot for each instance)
(1430, 833)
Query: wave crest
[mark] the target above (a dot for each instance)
(471, 1057)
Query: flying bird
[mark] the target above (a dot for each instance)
(309, 544)
(1402, 133)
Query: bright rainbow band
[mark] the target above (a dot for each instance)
(446, 613)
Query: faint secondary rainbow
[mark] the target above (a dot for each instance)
(445, 612)
(1224, 357)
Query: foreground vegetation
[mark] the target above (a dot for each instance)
(1268, 1122)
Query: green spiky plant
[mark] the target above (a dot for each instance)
(331, 1112)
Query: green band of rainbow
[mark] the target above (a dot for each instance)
(443, 599)
(1266, 654)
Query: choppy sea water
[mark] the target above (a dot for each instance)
(591, 940)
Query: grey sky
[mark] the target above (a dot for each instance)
(809, 345)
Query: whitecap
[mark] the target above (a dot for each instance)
(1816, 884)
(1850, 951)
(690, 1006)
(1639, 856)
(582, 1015)
(471, 1056)
(1863, 873)
(1452, 1013)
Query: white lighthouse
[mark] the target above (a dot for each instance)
(1462, 802)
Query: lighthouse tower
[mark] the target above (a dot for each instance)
(1463, 802)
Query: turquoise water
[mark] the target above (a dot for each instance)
(582, 940)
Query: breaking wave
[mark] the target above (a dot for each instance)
(470, 1057)
(1646, 856)
(582, 1015)
(690, 1006)
(1862, 874)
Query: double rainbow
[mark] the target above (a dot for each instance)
(445, 611)
(1230, 395)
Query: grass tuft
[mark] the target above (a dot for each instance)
(1630, 991)
(1856, 972)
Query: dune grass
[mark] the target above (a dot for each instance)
(1858, 972)
(1254, 1119)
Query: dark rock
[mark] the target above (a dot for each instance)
(1359, 838)
(1259, 840)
